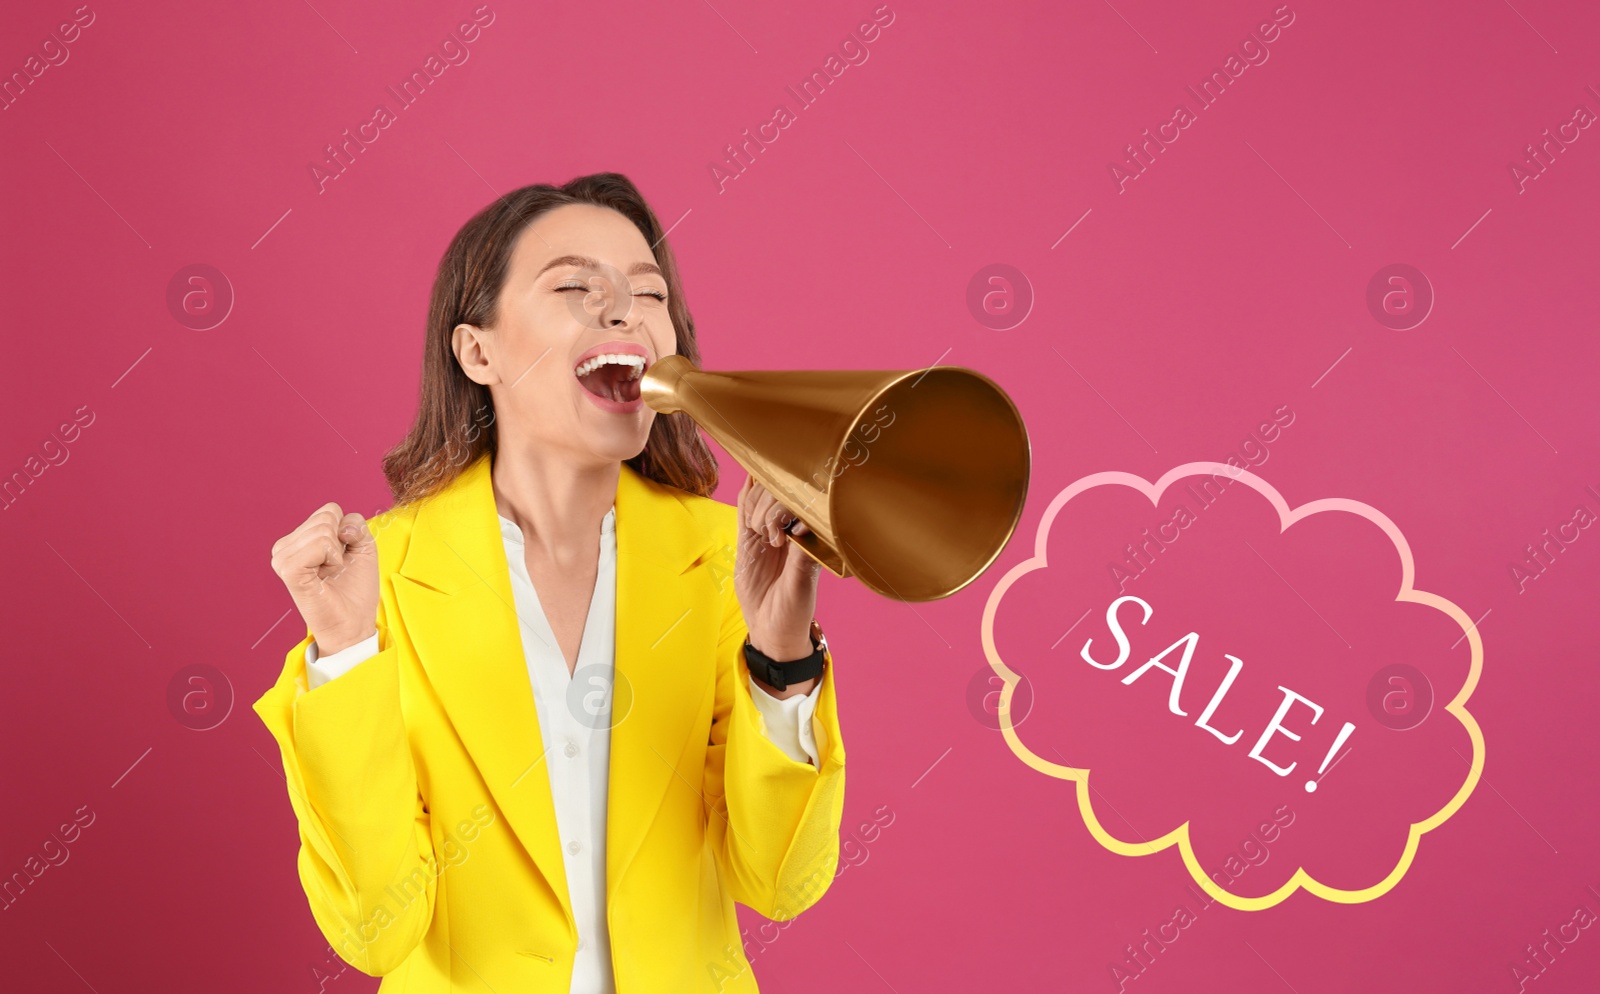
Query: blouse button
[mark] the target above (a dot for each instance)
(572, 749)
(573, 847)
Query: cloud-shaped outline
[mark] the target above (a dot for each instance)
(1180, 835)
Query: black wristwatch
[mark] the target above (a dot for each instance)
(780, 675)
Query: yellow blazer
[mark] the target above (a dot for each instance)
(428, 842)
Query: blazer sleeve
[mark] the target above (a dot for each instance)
(366, 853)
(775, 822)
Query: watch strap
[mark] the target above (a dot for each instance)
(781, 675)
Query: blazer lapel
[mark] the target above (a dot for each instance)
(662, 626)
(454, 596)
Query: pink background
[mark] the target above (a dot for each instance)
(1228, 279)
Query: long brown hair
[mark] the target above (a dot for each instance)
(455, 421)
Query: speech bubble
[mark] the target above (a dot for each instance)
(1199, 756)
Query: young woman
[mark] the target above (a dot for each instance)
(524, 736)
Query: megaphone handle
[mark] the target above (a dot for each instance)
(819, 550)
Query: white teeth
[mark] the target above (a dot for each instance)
(620, 358)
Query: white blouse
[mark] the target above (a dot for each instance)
(574, 713)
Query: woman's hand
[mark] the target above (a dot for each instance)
(330, 565)
(775, 580)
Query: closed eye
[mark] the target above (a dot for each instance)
(574, 284)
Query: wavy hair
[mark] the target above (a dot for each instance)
(455, 421)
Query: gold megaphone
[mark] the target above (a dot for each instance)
(911, 481)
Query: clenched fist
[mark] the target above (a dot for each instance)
(330, 565)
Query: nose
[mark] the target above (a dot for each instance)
(609, 302)
(616, 298)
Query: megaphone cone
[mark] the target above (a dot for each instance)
(912, 481)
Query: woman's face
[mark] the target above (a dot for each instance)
(582, 315)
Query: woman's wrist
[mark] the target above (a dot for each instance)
(784, 650)
(800, 651)
(339, 641)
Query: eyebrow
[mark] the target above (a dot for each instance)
(637, 269)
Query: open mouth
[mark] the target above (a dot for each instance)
(612, 376)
